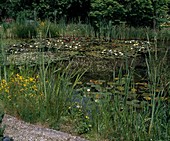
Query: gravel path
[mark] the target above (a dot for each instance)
(22, 131)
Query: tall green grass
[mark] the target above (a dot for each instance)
(42, 96)
(24, 29)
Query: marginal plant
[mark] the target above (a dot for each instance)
(47, 29)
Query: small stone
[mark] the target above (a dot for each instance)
(6, 138)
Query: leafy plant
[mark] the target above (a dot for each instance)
(25, 31)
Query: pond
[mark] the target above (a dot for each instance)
(110, 65)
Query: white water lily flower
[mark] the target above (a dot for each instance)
(96, 100)
(110, 51)
(136, 44)
(103, 51)
(88, 90)
(78, 106)
(121, 53)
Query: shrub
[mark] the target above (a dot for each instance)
(25, 30)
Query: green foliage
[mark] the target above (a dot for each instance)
(81, 120)
(25, 30)
(106, 10)
(48, 29)
(133, 12)
(104, 111)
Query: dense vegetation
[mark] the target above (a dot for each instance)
(96, 68)
(132, 12)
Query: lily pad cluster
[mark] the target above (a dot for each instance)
(44, 45)
(127, 48)
(137, 94)
(54, 44)
(56, 48)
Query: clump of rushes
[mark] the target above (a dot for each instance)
(47, 29)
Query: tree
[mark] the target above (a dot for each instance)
(160, 12)
(106, 10)
(133, 12)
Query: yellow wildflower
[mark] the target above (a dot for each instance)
(86, 117)
(20, 78)
(24, 85)
(7, 90)
(31, 79)
(3, 81)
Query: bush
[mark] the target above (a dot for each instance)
(25, 30)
